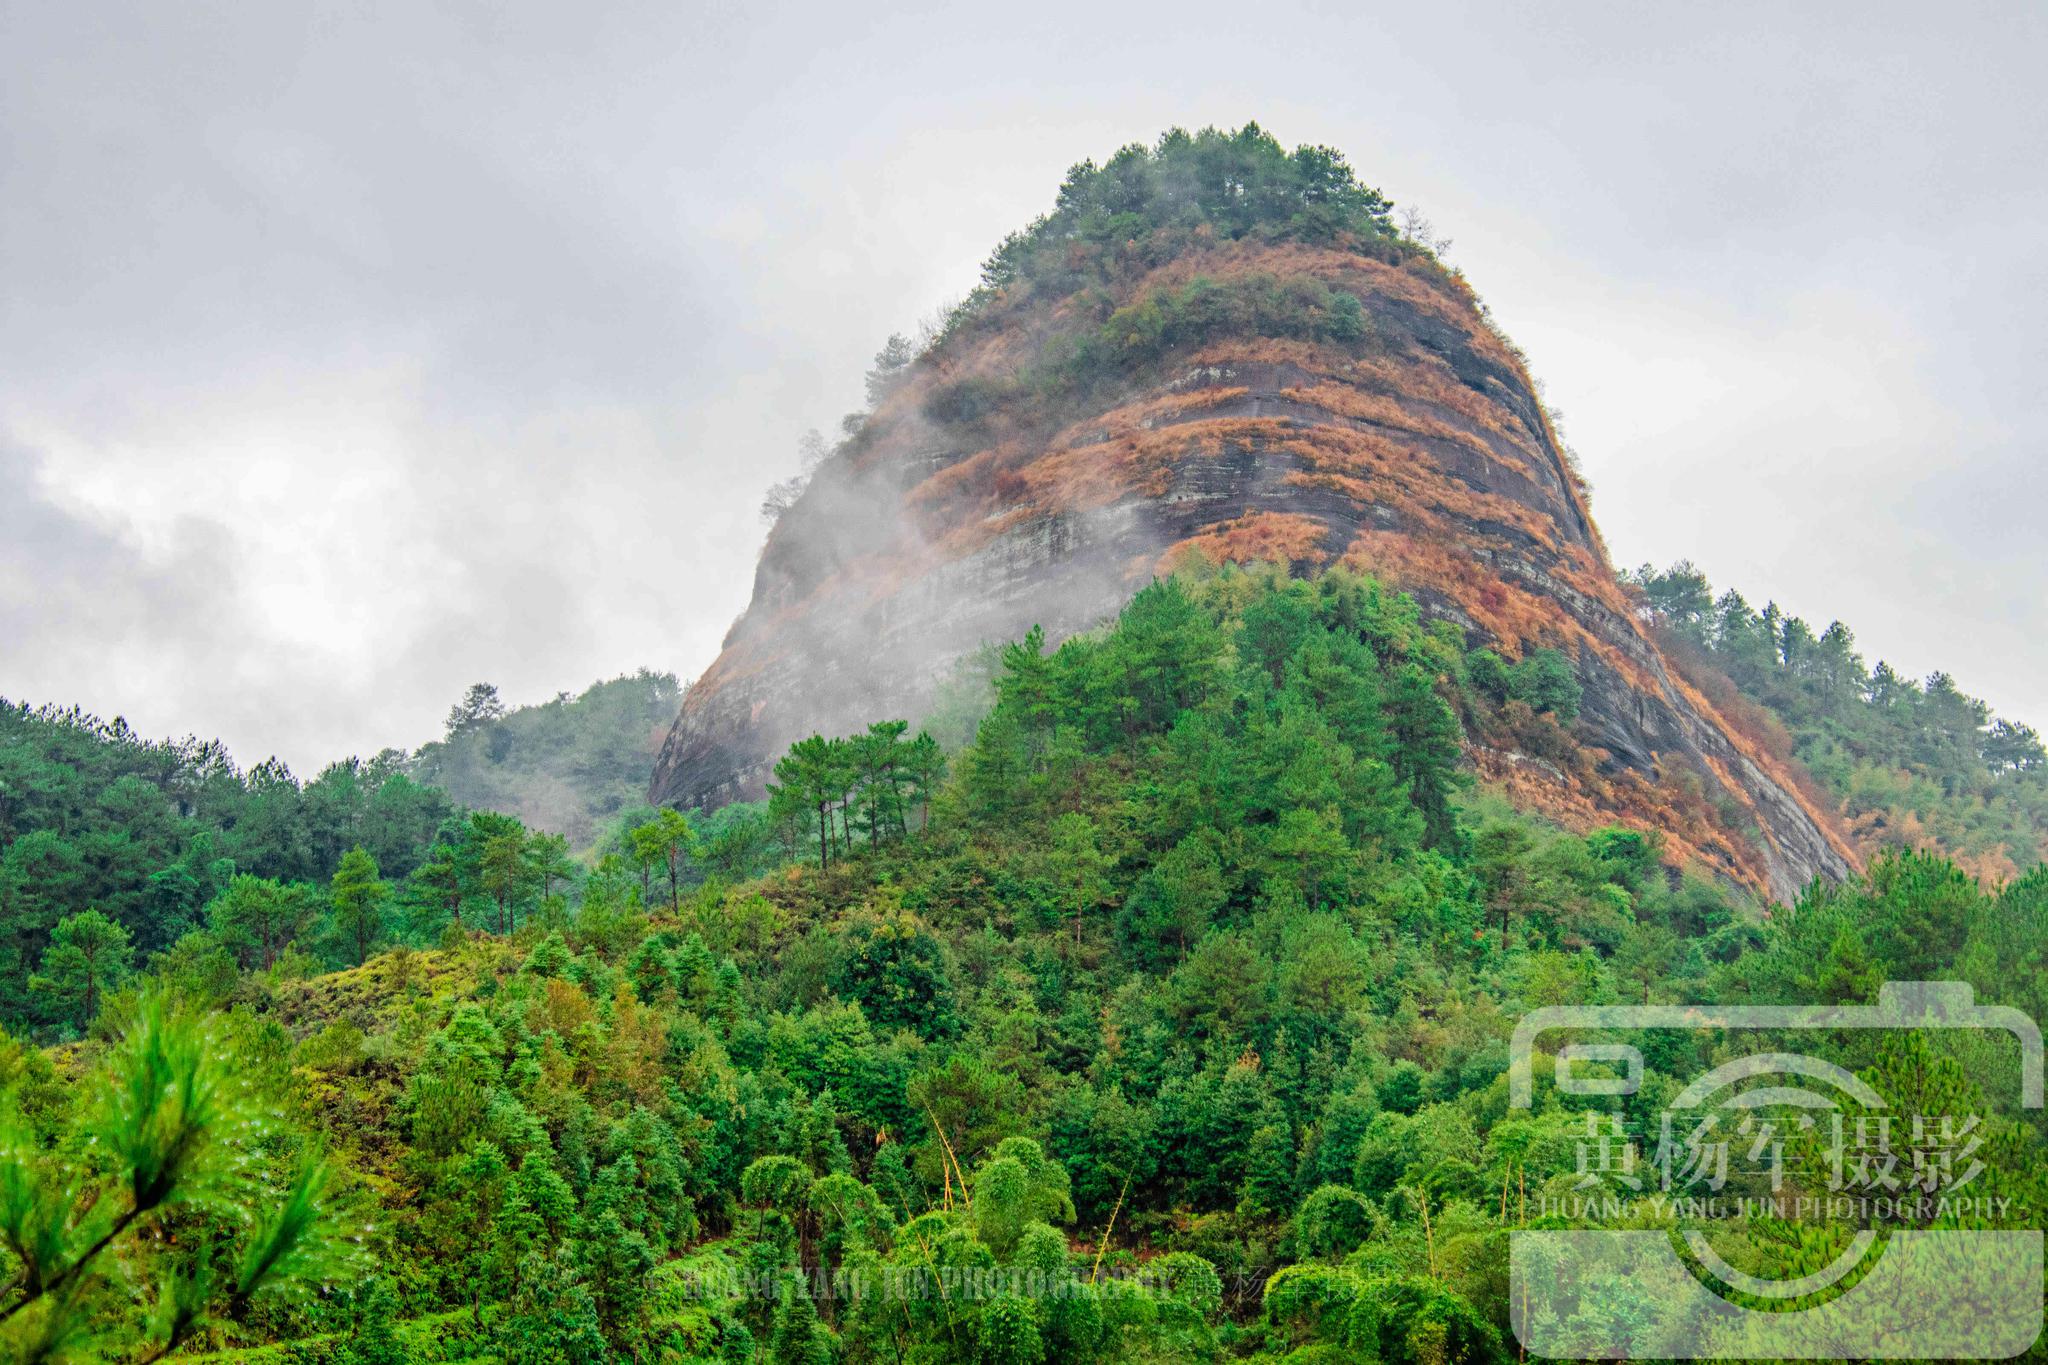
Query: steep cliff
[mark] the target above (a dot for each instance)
(1159, 376)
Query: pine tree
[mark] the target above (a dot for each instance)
(925, 763)
(505, 874)
(666, 844)
(480, 706)
(1426, 750)
(358, 897)
(259, 918)
(1079, 866)
(88, 955)
(811, 778)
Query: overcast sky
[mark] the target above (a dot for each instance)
(351, 354)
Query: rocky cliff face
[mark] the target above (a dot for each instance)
(981, 499)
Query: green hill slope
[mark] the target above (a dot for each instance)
(1181, 998)
(571, 765)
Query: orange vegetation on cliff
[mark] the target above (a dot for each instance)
(1582, 800)
(1756, 734)
(1379, 410)
(1788, 775)
(1375, 470)
(1080, 477)
(1514, 618)
(1365, 276)
(1146, 414)
(1414, 378)
(1255, 537)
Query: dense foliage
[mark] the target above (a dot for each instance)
(112, 846)
(1149, 200)
(1166, 1021)
(1909, 764)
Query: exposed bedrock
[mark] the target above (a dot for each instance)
(1422, 457)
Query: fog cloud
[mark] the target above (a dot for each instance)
(349, 355)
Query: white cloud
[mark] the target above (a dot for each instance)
(363, 355)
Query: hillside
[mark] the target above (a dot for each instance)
(1180, 998)
(572, 765)
(1214, 350)
(1907, 764)
(138, 839)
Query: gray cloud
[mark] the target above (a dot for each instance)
(81, 602)
(366, 351)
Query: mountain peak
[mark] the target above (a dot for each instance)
(1214, 350)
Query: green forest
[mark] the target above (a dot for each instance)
(1163, 1017)
(1908, 763)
